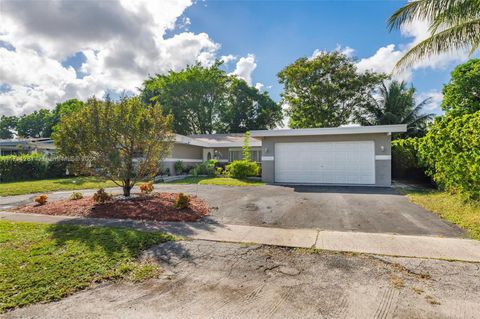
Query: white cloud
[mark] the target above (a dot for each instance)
(385, 58)
(436, 99)
(259, 86)
(123, 41)
(228, 58)
(244, 68)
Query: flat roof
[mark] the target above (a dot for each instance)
(342, 130)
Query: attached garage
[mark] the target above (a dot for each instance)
(330, 156)
(325, 162)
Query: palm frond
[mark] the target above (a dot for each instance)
(466, 35)
(420, 9)
(459, 12)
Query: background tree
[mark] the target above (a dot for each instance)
(193, 96)
(396, 104)
(323, 91)
(36, 124)
(246, 108)
(123, 141)
(206, 100)
(8, 125)
(462, 94)
(454, 24)
(65, 108)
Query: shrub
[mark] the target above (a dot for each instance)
(30, 167)
(179, 167)
(42, 199)
(101, 196)
(76, 196)
(405, 160)
(219, 170)
(146, 188)
(205, 168)
(182, 201)
(242, 169)
(451, 152)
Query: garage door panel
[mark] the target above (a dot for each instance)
(325, 162)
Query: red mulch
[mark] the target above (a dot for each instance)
(157, 206)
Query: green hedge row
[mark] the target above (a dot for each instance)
(406, 162)
(451, 153)
(30, 167)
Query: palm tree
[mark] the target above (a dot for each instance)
(454, 24)
(396, 104)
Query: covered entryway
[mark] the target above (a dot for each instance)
(350, 162)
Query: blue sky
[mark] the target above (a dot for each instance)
(278, 32)
(111, 46)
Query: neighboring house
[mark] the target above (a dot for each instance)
(353, 155)
(26, 146)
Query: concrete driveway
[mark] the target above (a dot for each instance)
(362, 209)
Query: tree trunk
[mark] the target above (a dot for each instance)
(126, 189)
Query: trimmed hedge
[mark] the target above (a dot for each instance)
(242, 169)
(30, 167)
(406, 162)
(451, 152)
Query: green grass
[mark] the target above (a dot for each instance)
(50, 185)
(225, 181)
(450, 207)
(40, 263)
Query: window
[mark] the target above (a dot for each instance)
(236, 154)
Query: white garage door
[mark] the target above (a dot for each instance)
(325, 162)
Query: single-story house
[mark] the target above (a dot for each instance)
(350, 155)
(224, 148)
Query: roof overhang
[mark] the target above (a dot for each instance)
(182, 139)
(344, 130)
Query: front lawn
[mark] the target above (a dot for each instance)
(449, 207)
(40, 263)
(50, 185)
(225, 181)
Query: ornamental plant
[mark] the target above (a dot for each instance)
(42, 199)
(101, 196)
(182, 201)
(76, 196)
(146, 188)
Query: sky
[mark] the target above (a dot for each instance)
(53, 50)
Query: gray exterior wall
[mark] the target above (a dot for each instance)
(184, 152)
(382, 167)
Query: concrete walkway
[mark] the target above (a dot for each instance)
(370, 243)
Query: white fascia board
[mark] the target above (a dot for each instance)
(398, 128)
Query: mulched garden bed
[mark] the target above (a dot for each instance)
(157, 206)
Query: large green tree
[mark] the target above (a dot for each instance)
(454, 24)
(123, 141)
(396, 104)
(246, 108)
(206, 100)
(8, 125)
(462, 94)
(36, 124)
(323, 91)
